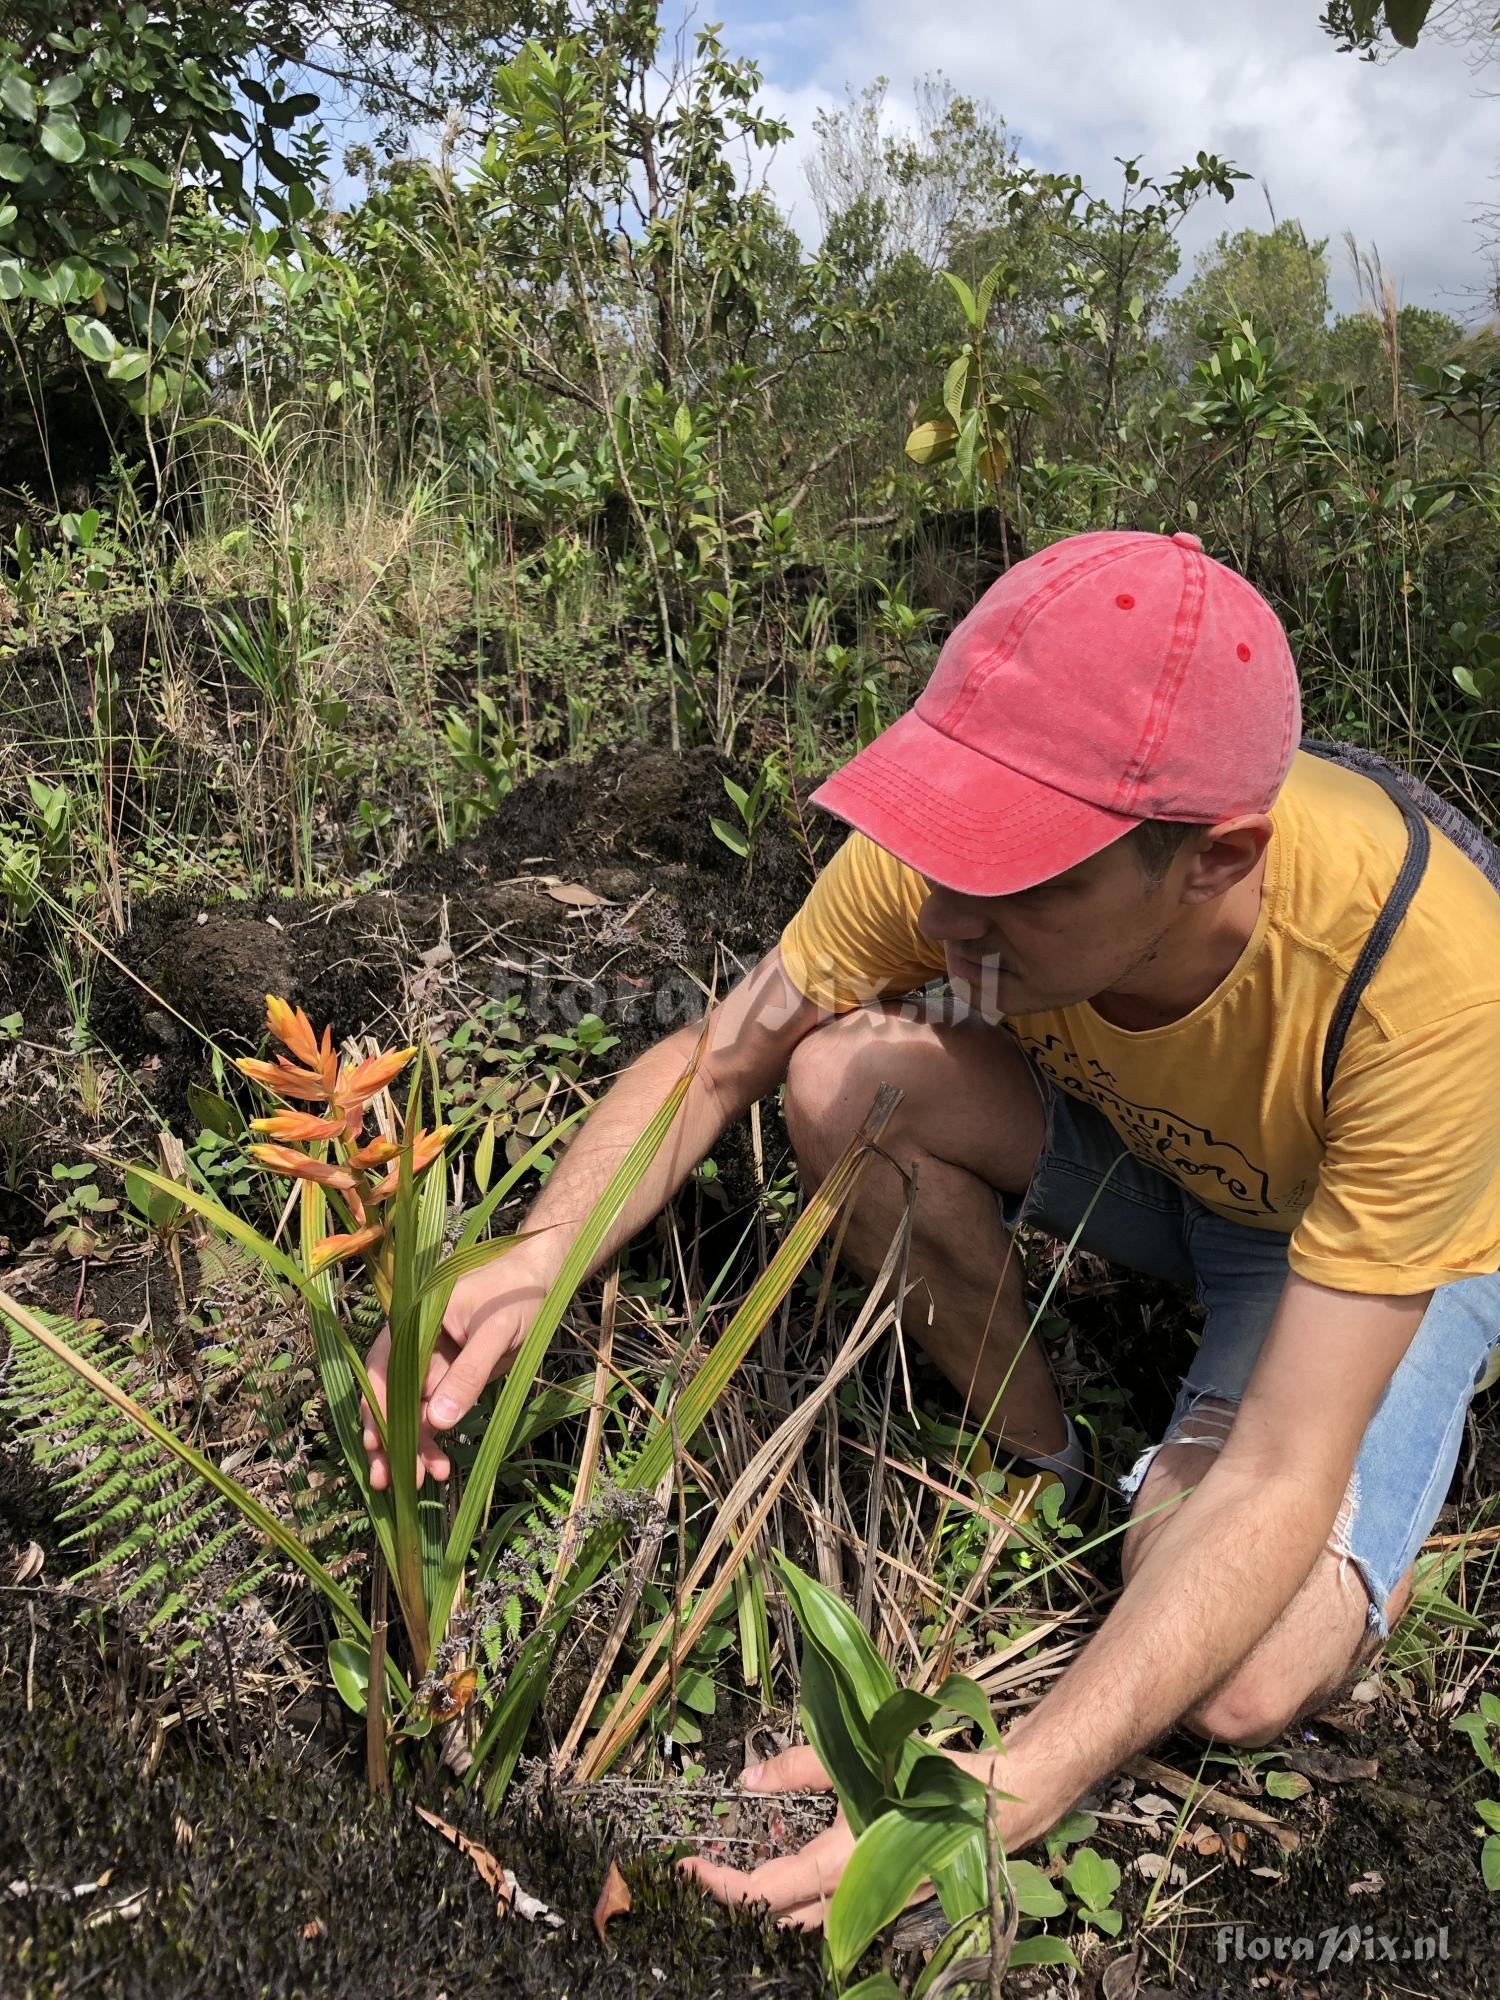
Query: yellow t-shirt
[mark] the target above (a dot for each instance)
(1399, 1189)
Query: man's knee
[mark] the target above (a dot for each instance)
(1251, 1709)
(831, 1081)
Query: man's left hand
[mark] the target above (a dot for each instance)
(797, 1888)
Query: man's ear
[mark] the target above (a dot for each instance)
(1223, 855)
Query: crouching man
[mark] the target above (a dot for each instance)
(1184, 1033)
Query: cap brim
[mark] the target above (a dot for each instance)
(960, 818)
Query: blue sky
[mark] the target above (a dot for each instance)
(1402, 153)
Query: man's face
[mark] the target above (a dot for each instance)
(1081, 934)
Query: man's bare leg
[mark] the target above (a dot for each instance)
(970, 1122)
(1312, 1650)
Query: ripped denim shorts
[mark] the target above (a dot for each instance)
(1144, 1221)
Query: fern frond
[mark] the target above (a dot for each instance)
(162, 1541)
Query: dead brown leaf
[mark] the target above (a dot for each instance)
(577, 897)
(1122, 1977)
(1331, 1767)
(485, 1865)
(614, 1898)
(30, 1565)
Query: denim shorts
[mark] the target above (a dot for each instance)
(1145, 1221)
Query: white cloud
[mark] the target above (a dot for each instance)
(1402, 152)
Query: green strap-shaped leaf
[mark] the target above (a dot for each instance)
(891, 1857)
(521, 1378)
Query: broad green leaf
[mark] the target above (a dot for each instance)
(968, 1698)
(1489, 1862)
(931, 443)
(92, 337)
(349, 1664)
(1092, 1879)
(937, 1783)
(1406, 19)
(18, 97)
(831, 1625)
(966, 444)
(825, 1717)
(62, 90)
(214, 1113)
(61, 138)
(1035, 1895)
(147, 171)
(731, 836)
(1287, 1785)
(879, 1986)
(891, 1858)
(954, 384)
(897, 1716)
(1041, 1950)
(964, 296)
(10, 278)
(114, 124)
(15, 163)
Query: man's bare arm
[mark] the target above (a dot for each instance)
(1230, 1559)
(743, 1049)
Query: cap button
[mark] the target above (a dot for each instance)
(1189, 542)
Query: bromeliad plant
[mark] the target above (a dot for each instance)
(381, 1198)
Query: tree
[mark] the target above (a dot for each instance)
(1360, 26)
(1275, 278)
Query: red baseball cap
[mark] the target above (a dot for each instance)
(1109, 679)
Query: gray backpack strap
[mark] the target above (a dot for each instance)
(1397, 903)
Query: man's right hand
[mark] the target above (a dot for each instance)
(488, 1316)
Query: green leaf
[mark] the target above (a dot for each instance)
(937, 1783)
(1406, 19)
(62, 139)
(954, 384)
(91, 337)
(213, 1113)
(62, 90)
(1092, 1879)
(15, 163)
(18, 96)
(898, 1716)
(965, 298)
(829, 1623)
(826, 1718)
(879, 1986)
(1035, 1895)
(891, 1857)
(114, 124)
(931, 443)
(144, 170)
(1489, 1863)
(1041, 1950)
(275, 1531)
(967, 1698)
(1489, 1811)
(10, 278)
(731, 836)
(697, 1691)
(349, 1663)
(1287, 1785)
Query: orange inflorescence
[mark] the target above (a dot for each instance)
(315, 1077)
(334, 1249)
